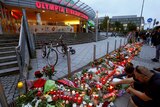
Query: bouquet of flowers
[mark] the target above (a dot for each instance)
(49, 71)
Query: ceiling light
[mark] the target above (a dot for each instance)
(43, 11)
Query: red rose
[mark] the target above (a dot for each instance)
(39, 83)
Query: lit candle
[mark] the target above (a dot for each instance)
(67, 102)
(74, 105)
(73, 92)
(75, 99)
(69, 91)
(82, 86)
(83, 94)
(96, 96)
(86, 87)
(79, 82)
(90, 105)
(79, 100)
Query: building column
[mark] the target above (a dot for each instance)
(87, 27)
(39, 22)
(81, 27)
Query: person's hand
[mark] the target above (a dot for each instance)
(113, 83)
(95, 101)
(132, 84)
(129, 90)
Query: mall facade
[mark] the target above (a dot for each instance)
(45, 16)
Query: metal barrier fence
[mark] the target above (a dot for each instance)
(98, 52)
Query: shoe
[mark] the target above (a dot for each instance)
(156, 69)
(155, 60)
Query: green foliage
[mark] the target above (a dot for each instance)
(68, 105)
(43, 103)
(86, 99)
(75, 89)
(59, 103)
(104, 23)
(103, 74)
(24, 99)
(118, 26)
(49, 71)
(84, 71)
(131, 27)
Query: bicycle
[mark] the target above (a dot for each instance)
(50, 53)
(62, 48)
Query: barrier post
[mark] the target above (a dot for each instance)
(69, 63)
(107, 47)
(115, 45)
(94, 52)
(120, 43)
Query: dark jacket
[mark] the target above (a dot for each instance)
(156, 39)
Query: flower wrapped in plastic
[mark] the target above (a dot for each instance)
(49, 71)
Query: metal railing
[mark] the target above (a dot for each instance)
(26, 48)
(22, 51)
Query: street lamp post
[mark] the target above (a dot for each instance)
(96, 26)
(107, 26)
(141, 15)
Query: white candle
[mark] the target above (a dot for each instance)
(73, 92)
(74, 105)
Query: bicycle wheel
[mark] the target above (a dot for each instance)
(43, 51)
(52, 57)
(60, 49)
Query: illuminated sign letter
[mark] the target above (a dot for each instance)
(47, 5)
(66, 10)
(38, 4)
(51, 7)
(56, 7)
(62, 10)
(43, 6)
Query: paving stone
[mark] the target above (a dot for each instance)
(9, 84)
(10, 98)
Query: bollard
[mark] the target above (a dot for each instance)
(69, 63)
(120, 43)
(115, 45)
(2, 98)
(94, 53)
(107, 47)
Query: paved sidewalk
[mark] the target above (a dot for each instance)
(84, 54)
(144, 59)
